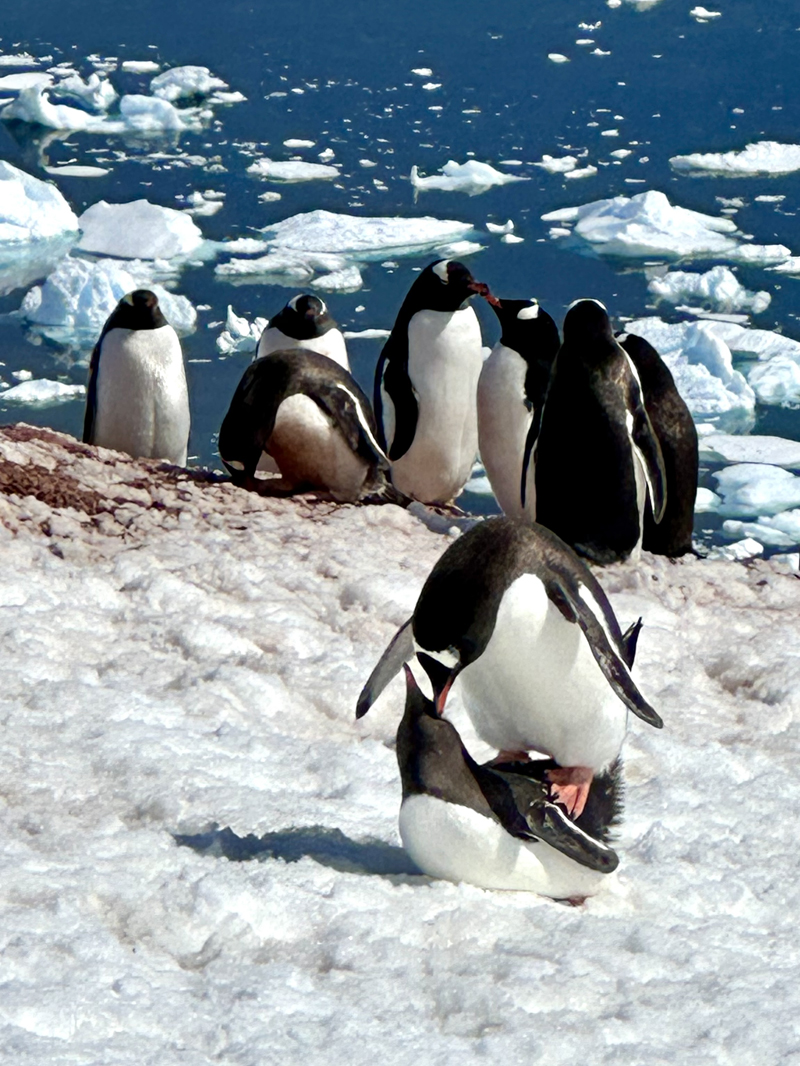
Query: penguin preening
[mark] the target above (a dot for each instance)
(304, 323)
(310, 415)
(597, 455)
(426, 383)
(677, 436)
(511, 391)
(137, 400)
(492, 826)
(521, 621)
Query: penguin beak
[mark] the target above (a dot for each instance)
(441, 678)
(480, 288)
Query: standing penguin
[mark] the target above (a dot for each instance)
(137, 400)
(309, 414)
(675, 429)
(426, 382)
(596, 453)
(304, 323)
(513, 613)
(511, 391)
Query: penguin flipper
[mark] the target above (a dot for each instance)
(90, 415)
(552, 825)
(530, 441)
(646, 444)
(399, 651)
(391, 378)
(354, 419)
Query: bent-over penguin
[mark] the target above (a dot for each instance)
(492, 826)
(426, 382)
(597, 455)
(137, 400)
(675, 429)
(511, 391)
(309, 414)
(304, 323)
(519, 618)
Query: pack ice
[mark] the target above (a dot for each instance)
(472, 177)
(763, 157)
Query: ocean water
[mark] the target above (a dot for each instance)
(666, 82)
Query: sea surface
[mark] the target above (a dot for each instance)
(666, 82)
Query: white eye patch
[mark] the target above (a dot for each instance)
(293, 302)
(587, 299)
(440, 270)
(528, 312)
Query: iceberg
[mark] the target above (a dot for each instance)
(292, 170)
(31, 209)
(138, 230)
(96, 93)
(777, 381)
(761, 531)
(41, 392)
(182, 82)
(718, 289)
(14, 83)
(472, 177)
(762, 157)
(239, 334)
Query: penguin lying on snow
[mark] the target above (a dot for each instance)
(309, 414)
(511, 391)
(304, 323)
(522, 621)
(597, 455)
(426, 381)
(137, 400)
(492, 826)
(675, 429)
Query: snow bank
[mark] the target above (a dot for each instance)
(718, 289)
(31, 209)
(291, 170)
(763, 157)
(472, 177)
(208, 678)
(40, 393)
(138, 230)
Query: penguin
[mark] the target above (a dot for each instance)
(675, 429)
(519, 618)
(309, 414)
(426, 383)
(137, 400)
(304, 323)
(511, 391)
(596, 454)
(495, 826)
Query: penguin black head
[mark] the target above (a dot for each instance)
(446, 285)
(303, 318)
(136, 310)
(587, 320)
(654, 374)
(527, 329)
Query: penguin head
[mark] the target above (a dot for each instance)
(442, 668)
(304, 317)
(447, 285)
(429, 749)
(587, 320)
(136, 310)
(527, 329)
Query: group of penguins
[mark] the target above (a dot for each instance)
(591, 454)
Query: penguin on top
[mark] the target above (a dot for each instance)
(137, 400)
(675, 429)
(597, 456)
(511, 391)
(426, 384)
(304, 322)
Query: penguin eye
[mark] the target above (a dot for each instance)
(440, 270)
(529, 312)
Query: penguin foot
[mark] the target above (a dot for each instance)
(570, 787)
(509, 756)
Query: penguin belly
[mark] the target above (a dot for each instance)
(444, 363)
(142, 397)
(538, 687)
(503, 423)
(310, 450)
(456, 843)
(330, 344)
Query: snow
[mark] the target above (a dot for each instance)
(762, 157)
(181, 82)
(239, 334)
(138, 230)
(170, 667)
(751, 489)
(472, 177)
(30, 210)
(41, 392)
(292, 170)
(718, 289)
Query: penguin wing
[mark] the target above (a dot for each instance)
(393, 384)
(90, 414)
(250, 419)
(530, 444)
(399, 651)
(351, 414)
(646, 444)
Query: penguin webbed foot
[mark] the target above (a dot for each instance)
(569, 786)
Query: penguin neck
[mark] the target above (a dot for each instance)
(433, 761)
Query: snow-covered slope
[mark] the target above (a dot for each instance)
(179, 655)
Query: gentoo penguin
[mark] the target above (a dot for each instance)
(596, 453)
(511, 391)
(426, 382)
(137, 400)
(309, 414)
(304, 323)
(494, 827)
(674, 427)
(511, 611)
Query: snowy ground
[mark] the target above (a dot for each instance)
(180, 656)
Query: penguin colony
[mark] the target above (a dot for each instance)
(592, 456)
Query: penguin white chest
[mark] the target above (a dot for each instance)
(538, 687)
(444, 363)
(504, 419)
(330, 344)
(142, 398)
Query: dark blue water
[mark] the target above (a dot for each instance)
(675, 83)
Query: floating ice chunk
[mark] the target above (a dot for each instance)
(140, 66)
(738, 552)
(140, 114)
(472, 177)
(558, 165)
(752, 489)
(31, 209)
(557, 57)
(146, 114)
(227, 98)
(621, 153)
(244, 246)
(292, 170)
(703, 15)
(706, 501)
(718, 288)
(269, 197)
(76, 170)
(765, 199)
(555, 232)
(762, 255)
(41, 392)
(347, 280)
(297, 142)
(188, 81)
(20, 59)
(774, 451)
(511, 238)
(760, 531)
(239, 334)
(776, 381)
(34, 105)
(581, 172)
(96, 93)
(788, 522)
(762, 157)
(204, 204)
(284, 266)
(505, 227)
(14, 83)
(366, 334)
(138, 230)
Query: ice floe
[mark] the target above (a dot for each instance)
(96, 93)
(41, 392)
(182, 82)
(140, 66)
(557, 165)
(14, 83)
(763, 531)
(78, 170)
(718, 289)
(762, 157)
(138, 230)
(730, 448)
(753, 489)
(137, 114)
(240, 335)
(777, 381)
(472, 177)
(292, 170)
(702, 14)
(557, 57)
(31, 209)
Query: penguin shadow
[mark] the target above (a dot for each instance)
(327, 846)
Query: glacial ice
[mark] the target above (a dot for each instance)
(718, 289)
(763, 157)
(181, 82)
(14, 83)
(146, 114)
(291, 170)
(40, 393)
(138, 230)
(31, 209)
(761, 531)
(472, 177)
(754, 489)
